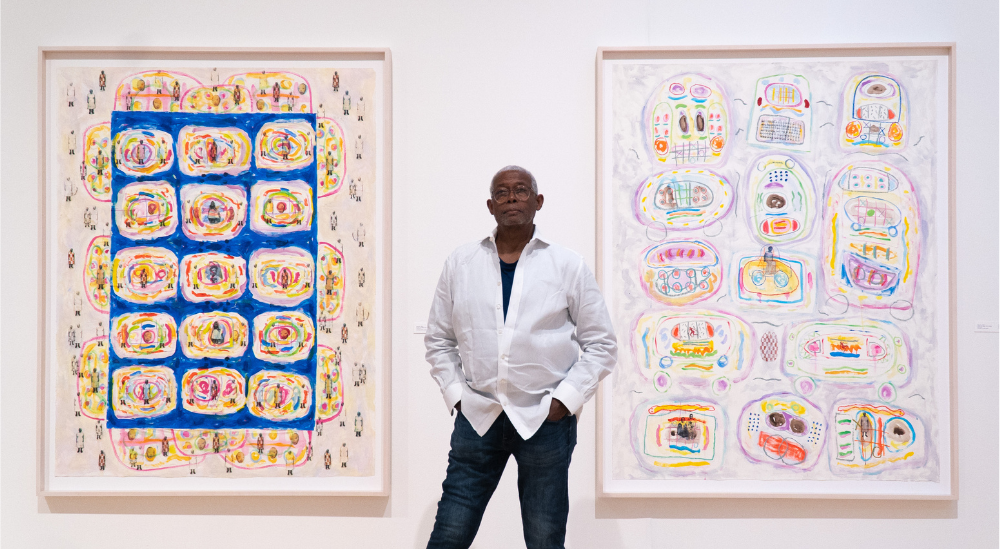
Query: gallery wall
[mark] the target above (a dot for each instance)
(477, 86)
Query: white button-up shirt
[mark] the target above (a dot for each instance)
(519, 365)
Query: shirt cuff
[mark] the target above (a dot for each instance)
(570, 397)
(452, 395)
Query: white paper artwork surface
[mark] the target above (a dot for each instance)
(774, 248)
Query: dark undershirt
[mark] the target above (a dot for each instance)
(507, 277)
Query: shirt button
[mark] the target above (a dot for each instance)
(498, 283)
(498, 307)
(500, 331)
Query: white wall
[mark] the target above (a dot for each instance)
(479, 85)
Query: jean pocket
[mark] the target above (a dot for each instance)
(563, 419)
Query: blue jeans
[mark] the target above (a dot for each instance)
(474, 467)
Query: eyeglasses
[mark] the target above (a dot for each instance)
(520, 193)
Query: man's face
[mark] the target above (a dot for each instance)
(512, 201)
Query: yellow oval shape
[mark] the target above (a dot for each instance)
(145, 274)
(331, 161)
(329, 386)
(283, 336)
(143, 391)
(144, 151)
(280, 207)
(213, 391)
(146, 210)
(213, 212)
(144, 335)
(279, 396)
(96, 169)
(203, 150)
(214, 335)
(331, 282)
(92, 383)
(213, 276)
(97, 274)
(285, 145)
(282, 276)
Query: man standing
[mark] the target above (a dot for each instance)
(510, 317)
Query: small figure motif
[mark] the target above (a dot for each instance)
(359, 235)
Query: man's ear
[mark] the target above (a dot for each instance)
(489, 205)
(541, 199)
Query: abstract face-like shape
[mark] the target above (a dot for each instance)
(872, 437)
(781, 200)
(870, 236)
(874, 116)
(687, 121)
(780, 115)
(782, 430)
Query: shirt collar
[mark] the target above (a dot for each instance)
(536, 235)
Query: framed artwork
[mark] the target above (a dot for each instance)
(776, 246)
(216, 235)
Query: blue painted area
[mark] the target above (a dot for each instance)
(243, 245)
(739, 363)
(844, 355)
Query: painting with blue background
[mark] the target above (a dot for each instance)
(242, 245)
